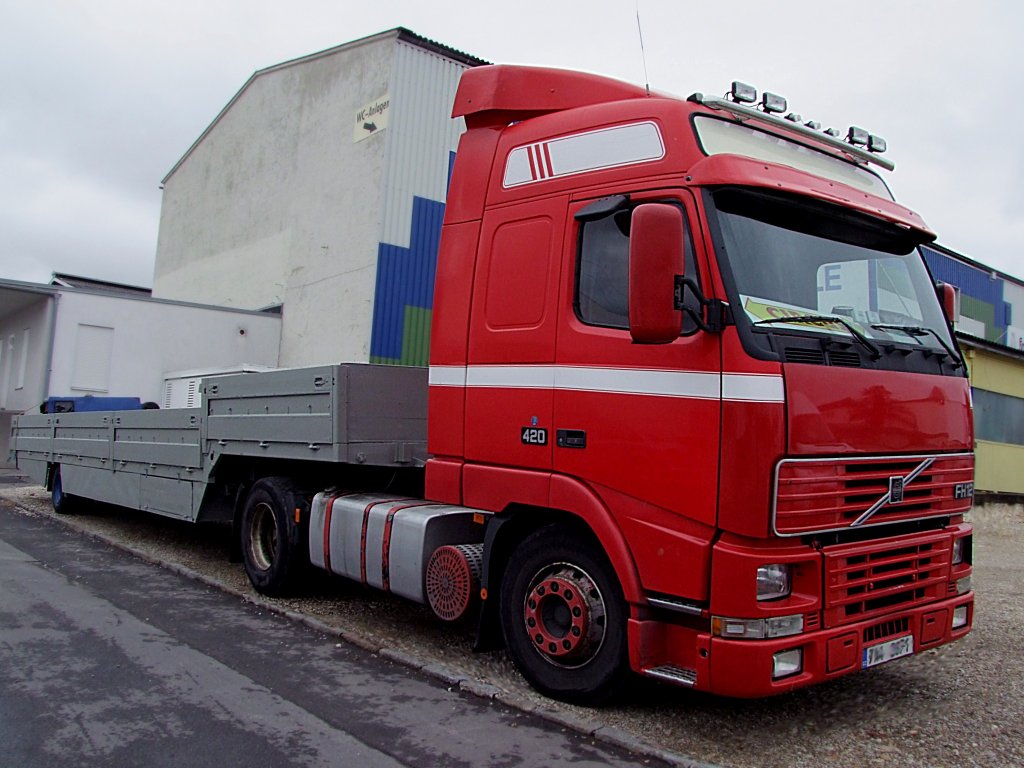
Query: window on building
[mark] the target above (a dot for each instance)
(998, 418)
(93, 355)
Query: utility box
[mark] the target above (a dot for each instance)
(320, 188)
(183, 389)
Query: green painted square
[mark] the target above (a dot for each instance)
(416, 336)
(981, 311)
(415, 339)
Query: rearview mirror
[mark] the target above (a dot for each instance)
(655, 259)
(949, 297)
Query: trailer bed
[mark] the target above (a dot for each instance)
(163, 461)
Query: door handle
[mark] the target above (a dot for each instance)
(571, 438)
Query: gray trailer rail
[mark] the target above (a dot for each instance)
(166, 462)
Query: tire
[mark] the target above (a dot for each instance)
(564, 617)
(63, 503)
(271, 545)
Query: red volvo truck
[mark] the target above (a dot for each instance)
(693, 408)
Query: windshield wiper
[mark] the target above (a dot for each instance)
(872, 349)
(918, 330)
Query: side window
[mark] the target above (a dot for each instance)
(602, 272)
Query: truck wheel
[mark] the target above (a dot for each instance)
(271, 549)
(564, 617)
(63, 503)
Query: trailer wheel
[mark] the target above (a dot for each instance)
(564, 617)
(271, 549)
(63, 503)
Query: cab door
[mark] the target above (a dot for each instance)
(637, 423)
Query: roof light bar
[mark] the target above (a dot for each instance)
(860, 145)
(742, 93)
(772, 103)
(857, 136)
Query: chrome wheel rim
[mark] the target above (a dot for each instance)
(564, 615)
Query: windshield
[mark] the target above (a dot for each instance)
(807, 268)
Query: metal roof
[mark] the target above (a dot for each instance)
(17, 294)
(105, 286)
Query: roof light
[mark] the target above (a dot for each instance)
(857, 136)
(742, 93)
(814, 125)
(794, 117)
(832, 132)
(876, 144)
(772, 103)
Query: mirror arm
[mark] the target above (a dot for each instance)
(717, 311)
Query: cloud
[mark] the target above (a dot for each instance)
(76, 224)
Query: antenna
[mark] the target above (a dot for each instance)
(643, 53)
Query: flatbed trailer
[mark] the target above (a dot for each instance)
(189, 463)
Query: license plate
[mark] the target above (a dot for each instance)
(887, 651)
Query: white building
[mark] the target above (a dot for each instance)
(320, 188)
(79, 337)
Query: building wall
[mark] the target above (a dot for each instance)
(992, 309)
(997, 384)
(121, 347)
(421, 144)
(278, 205)
(307, 191)
(991, 306)
(24, 341)
(23, 356)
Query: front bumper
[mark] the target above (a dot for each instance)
(744, 668)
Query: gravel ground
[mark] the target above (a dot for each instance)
(959, 705)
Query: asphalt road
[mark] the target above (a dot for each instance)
(108, 660)
(956, 706)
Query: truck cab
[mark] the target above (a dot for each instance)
(689, 356)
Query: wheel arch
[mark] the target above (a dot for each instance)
(576, 508)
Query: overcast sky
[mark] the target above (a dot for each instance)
(99, 99)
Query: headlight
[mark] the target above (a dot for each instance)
(757, 629)
(961, 549)
(772, 582)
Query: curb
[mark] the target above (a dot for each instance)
(606, 734)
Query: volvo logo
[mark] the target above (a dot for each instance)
(894, 495)
(896, 490)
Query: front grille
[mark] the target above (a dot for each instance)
(873, 578)
(813, 495)
(891, 628)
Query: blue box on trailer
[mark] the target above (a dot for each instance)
(90, 403)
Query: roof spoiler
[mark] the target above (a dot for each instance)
(502, 93)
